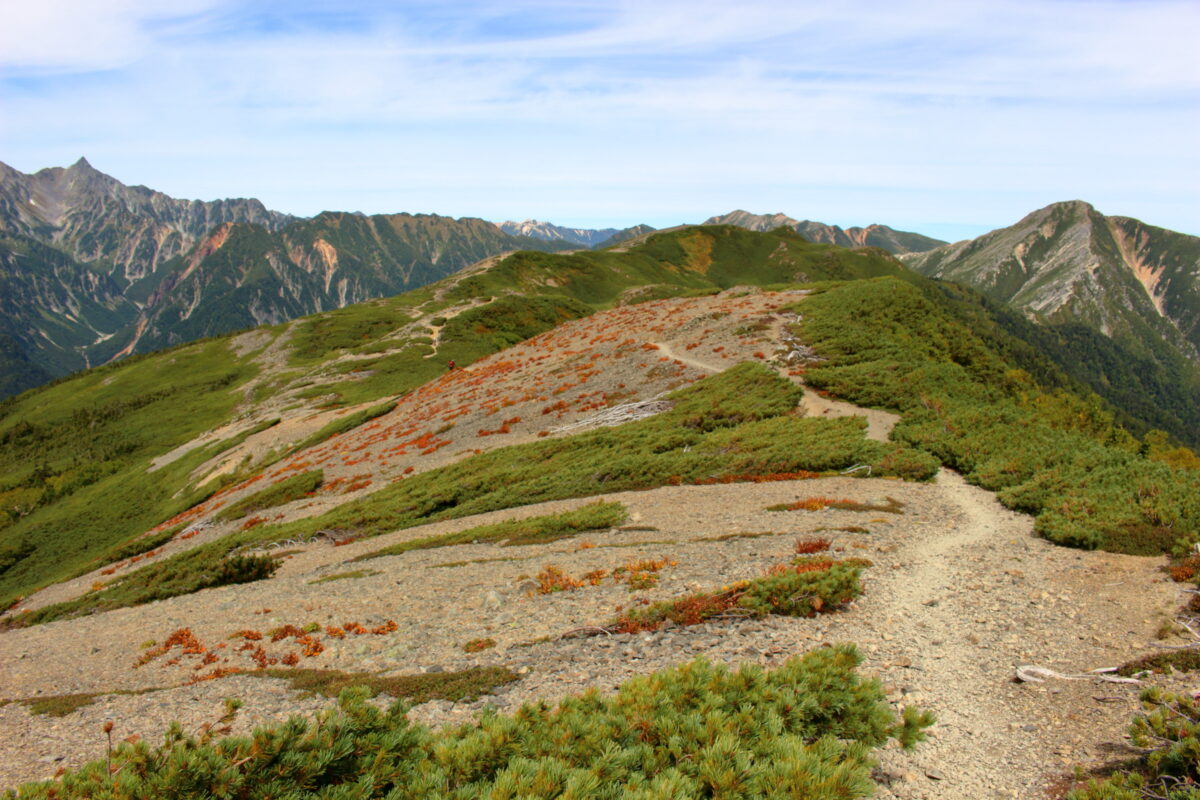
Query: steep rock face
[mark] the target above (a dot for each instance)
(880, 236)
(1068, 264)
(129, 231)
(587, 237)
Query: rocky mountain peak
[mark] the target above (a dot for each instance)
(130, 230)
(548, 231)
(1069, 263)
(753, 222)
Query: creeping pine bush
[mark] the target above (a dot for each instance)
(804, 588)
(806, 729)
(1171, 769)
(285, 491)
(201, 568)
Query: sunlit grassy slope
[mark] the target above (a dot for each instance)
(75, 483)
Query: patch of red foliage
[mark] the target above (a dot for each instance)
(811, 545)
(817, 503)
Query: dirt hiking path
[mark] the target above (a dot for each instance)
(972, 601)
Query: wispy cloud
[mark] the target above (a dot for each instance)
(904, 112)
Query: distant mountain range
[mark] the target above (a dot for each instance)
(585, 237)
(92, 269)
(880, 236)
(127, 232)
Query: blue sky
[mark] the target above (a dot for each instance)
(948, 118)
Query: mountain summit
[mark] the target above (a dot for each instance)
(125, 231)
(587, 237)
(1067, 263)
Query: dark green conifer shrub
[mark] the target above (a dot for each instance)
(806, 729)
(287, 490)
(1170, 730)
(1058, 456)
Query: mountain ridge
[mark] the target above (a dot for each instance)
(162, 271)
(889, 239)
(329, 492)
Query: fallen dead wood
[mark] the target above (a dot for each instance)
(1030, 673)
(626, 412)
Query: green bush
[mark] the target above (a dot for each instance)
(1170, 730)
(297, 486)
(533, 530)
(808, 587)
(143, 544)
(806, 729)
(204, 567)
(803, 594)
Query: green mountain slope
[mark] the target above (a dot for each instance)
(77, 455)
(1068, 263)
(1056, 454)
(92, 269)
(243, 275)
(52, 308)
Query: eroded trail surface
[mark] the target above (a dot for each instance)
(979, 596)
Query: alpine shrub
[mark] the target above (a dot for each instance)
(806, 729)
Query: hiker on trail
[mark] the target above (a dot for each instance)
(450, 365)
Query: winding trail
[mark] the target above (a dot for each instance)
(879, 423)
(960, 604)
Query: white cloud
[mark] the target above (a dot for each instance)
(957, 109)
(83, 35)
